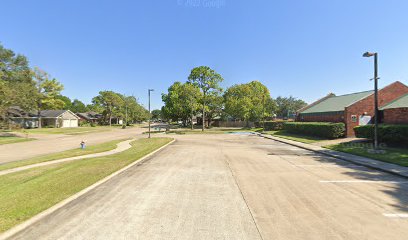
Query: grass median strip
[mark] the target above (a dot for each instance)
(11, 139)
(27, 193)
(103, 147)
(295, 137)
(397, 156)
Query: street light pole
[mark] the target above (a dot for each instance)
(368, 54)
(150, 90)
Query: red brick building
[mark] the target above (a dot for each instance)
(352, 109)
(396, 112)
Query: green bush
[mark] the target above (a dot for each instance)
(274, 125)
(386, 133)
(318, 129)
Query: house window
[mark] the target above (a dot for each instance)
(353, 118)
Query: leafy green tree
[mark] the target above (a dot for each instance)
(156, 114)
(207, 80)
(48, 92)
(110, 101)
(249, 102)
(287, 106)
(181, 102)
(78, 107)
(67, 102)
(17, 87)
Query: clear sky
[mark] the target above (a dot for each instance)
(301, 48)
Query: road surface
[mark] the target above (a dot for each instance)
(236, 187)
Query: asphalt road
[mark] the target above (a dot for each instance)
(236, 187)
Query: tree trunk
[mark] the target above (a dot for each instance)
(110, 119)
(192, 116)
(192, 124)
(203, 113)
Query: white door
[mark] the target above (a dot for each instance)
(66, 123)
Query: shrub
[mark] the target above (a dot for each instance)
(317, 129)
(273, 125)
(386, 133)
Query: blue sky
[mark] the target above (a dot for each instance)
(301, 48)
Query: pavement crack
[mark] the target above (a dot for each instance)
(227, 162)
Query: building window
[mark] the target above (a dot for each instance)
(353, 118)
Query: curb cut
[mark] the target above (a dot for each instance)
(20, 227)
(336, 156)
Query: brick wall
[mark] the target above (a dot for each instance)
(322, 118)
(396, 116)
(366, 105)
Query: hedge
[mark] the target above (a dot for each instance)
(386, 133)
(317, 129)
(274, 125)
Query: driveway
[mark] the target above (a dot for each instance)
(52, 143)
(236, 187)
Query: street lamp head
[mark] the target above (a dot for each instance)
(368, 54)
(151, 90)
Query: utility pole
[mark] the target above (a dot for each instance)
(150, 116)
(369, 54)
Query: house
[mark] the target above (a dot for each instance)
(352, 109)
(24, 119)
(396, 112)
(59, 118)
(49, 118)
(90, 117)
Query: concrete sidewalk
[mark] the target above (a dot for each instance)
(363, 161)
(120, 147)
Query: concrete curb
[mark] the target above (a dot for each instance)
(392, 168)
(18, 228)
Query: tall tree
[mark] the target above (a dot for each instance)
(78, 107)
(48, 92)
(207, 80)
(16, 85)
(110, 101)
(181, 102)
(287, 106)
(249, 102)
(67, 102)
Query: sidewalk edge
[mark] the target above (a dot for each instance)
(20, 227)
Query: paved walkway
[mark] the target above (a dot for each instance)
(122, 146)
(371, 163)
(235, 187)
(52, 143)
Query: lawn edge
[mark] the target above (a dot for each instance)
(327, 153)
(20, 227)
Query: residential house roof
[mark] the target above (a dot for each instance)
(401, 102)
(51, 113)
(337, 103)
(89, 115)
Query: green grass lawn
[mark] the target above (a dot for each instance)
(65, 154)
(12, 139)
(27, 193)
(295, 137)
(392, 155)
(69, 131)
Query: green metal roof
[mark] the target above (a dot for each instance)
(337, 103)
(401, 102)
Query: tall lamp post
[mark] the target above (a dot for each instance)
(375, 55)
(150, 90)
